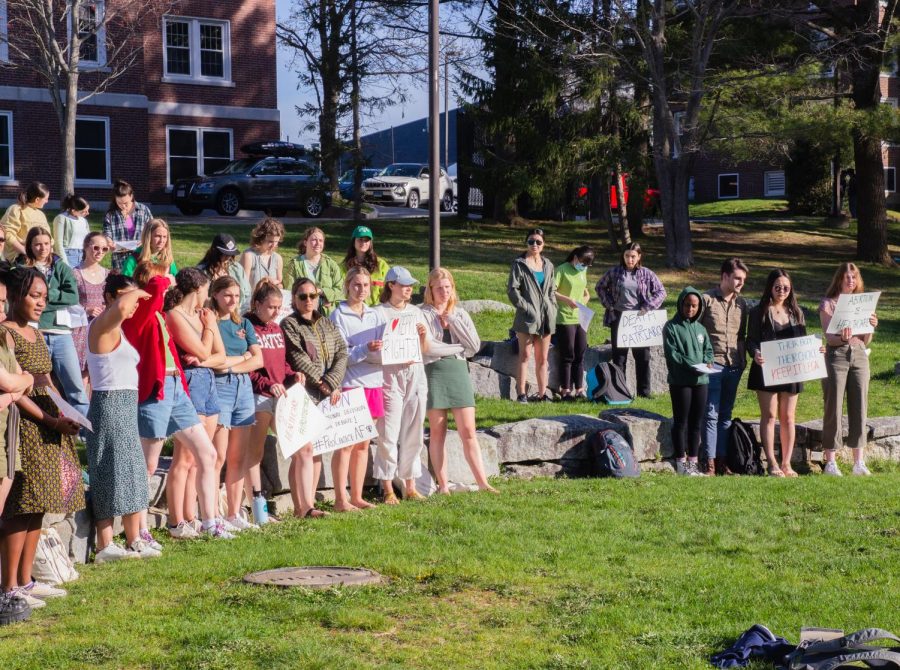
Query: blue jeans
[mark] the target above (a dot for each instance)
(723, 389)
(73, 256)
(67, 370)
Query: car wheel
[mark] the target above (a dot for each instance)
(313, 206)
(413, 200)
(228, 202)
(189, 210)
(447, 202)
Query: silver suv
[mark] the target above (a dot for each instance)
(406, 184)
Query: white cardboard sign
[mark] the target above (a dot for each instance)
(853, 310)
(585, 316)
(637, 330)
(400, 341)
(349, 422)
(287, 306)
(793, 360)
(297, 420)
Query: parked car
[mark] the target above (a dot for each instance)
(345, 184)
(273, 179)
(406, 184)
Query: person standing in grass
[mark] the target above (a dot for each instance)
(686, 345)
(361, 327)
(724, 316)
(314, 346)
(313, 262)
(572, 291)
(453, 340)
(847, 363)
(90, 278)
(361, 253)
(220, 260)
(70, 227)
(776, 317)
(261, 260)
(125, 220)
(531, 288)
(630, 286)
(156, 247)
(25, 213)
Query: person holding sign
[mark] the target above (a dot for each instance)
(572, 291)
(361, 253)
(847, 363)
(362, 327)
(776, 317)
(531, 288)
(454, 339)
(688, 351)
(627, 287)
(314, 346)
(312, 262)
(400, 430)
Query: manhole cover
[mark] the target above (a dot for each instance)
(316, 577)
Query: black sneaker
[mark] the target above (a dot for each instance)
(13, 609)
(539, 398)
(522, 398)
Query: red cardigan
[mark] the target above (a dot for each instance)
(143, 331)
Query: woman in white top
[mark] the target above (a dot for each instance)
(454, 339)
(262, 260)
(400, 438)
(70, 227)
(361, 327)
(115, 459)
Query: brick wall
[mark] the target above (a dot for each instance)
(751, 180)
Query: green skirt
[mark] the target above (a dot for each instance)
(449, 385)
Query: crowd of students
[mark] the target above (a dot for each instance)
(149, 352)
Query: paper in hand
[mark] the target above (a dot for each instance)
(68, 411)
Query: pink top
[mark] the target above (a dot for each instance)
(826, 311)
(129, 225)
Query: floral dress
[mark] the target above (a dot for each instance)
(89, 296)
(50, 478)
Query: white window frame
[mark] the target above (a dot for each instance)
(199, 130)
(4, 33)
(97, 182)
(100, 63)
(766, 192)
(195, 77)
(11, 179)
(719, 185)
(894, 170)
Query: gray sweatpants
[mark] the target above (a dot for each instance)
(400, 430)
(848, 372)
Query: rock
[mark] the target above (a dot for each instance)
(476, 306)
(886, 448)
(551, 438)
(158, 483)
(658, 370)
(813, 430)
(76, 531)
(666, 466)
(274, 470)
(489, 383)
(883, 426)
(649, 434)
(529, 471)
(458, 470)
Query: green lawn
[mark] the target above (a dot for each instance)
(746, 207)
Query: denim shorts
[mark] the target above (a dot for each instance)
(158, 419)
(236, 405)
(202, 387)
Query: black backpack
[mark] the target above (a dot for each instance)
(613, 455)
(606, 383)
(850, 651)
(744, 450)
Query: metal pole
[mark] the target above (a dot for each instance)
(446, 108)
(434, 138)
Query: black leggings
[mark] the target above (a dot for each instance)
(688, 411)
(641, 361)
(572, 343)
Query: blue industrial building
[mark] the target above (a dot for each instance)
(407, 143)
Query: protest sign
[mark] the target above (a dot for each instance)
(400, 341)
(641, 330)
(349, 422)
(853, 311)
(796, 359)
(68, 411)
(585, 316)
(297, 420)
(287, 306)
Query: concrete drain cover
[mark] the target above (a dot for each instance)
(314, 577)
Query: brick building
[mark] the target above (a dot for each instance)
(203, 85)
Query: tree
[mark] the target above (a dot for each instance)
(56, 39)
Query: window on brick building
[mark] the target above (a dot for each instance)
(196, 50)
(729, 186)
(774, 183)
(6, 146)
(197, 151)
(890, 180)
(92, 150)
(92, 33)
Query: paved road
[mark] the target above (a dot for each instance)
(211, 218)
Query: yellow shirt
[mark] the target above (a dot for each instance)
(17, 222)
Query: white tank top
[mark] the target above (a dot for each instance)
(115, 371)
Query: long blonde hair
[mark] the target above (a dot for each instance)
(164, 257)
(352, 273)
(437, 275)
(834, 288)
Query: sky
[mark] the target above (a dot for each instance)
(289, 96)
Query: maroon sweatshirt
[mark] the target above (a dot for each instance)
(275, 368)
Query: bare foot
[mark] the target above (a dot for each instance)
(489, 489)
(346, 507)
(362, 504)
(444, 490)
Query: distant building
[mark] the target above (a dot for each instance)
(407, 143)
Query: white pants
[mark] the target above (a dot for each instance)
(400, 430)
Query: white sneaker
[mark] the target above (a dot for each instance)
(218, 532)
(42, 590)
(832, 469)
(142, 549)
(148, 538)
(113, 552)
(33, 603)
(861, 470)
(239, 523)
(183, 531)
(196, 524)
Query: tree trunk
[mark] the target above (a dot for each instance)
(673, 182)
(357, 138)
(71, 111)
(623, 206)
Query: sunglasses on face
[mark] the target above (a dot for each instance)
(781, 289)
(535, 242)
(99, 248)
(307, 296)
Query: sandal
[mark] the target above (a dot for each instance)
(776, 472)
(412, 494)
(390, 499)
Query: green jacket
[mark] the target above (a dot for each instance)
(131, 261)
(329, 278)
(535, 305)
(686, 343)
(62, 292)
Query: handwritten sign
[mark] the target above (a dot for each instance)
(287, 306)
(349, 422)
(797, 359)
(297, 421)
(68, 411)
(400, 341)
(585, 316)
(641, 330)
(853, 311)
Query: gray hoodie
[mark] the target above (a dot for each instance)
(535, 305)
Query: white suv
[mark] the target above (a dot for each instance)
(406, 184)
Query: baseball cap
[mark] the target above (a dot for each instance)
(401, 275)
(362, 231)
(226, 244)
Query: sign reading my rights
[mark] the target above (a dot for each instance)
(400, 341)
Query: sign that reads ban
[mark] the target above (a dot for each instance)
(400, 341)
(297, 420)
(793, 360)
(641, 330)
(853, 311)
(349, 422)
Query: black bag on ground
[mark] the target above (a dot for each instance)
(850, 651)
(744, 450)
(613, 456)
(606, 383)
